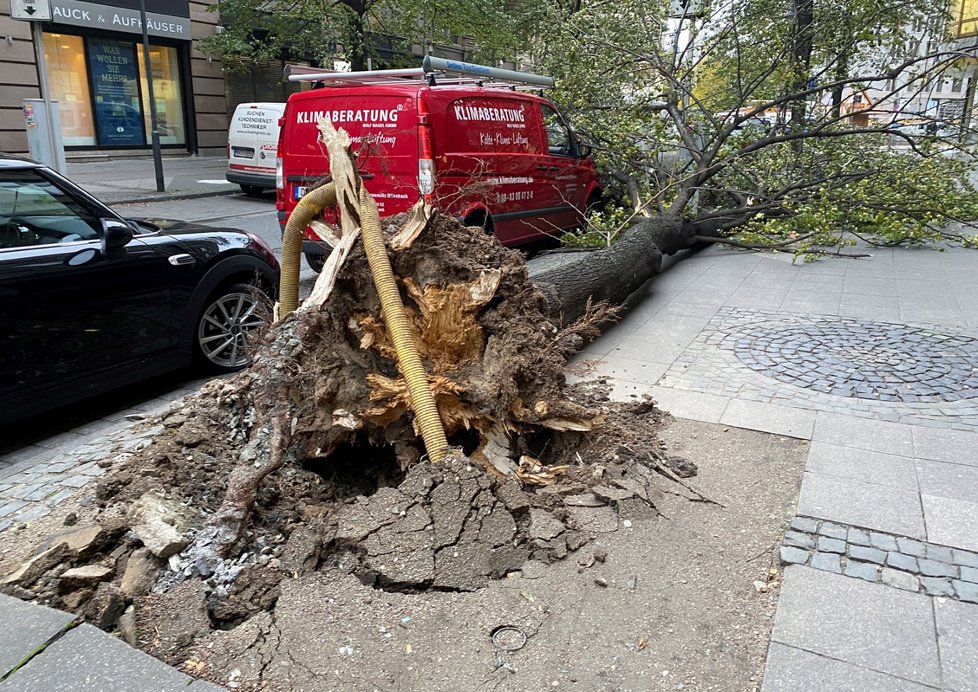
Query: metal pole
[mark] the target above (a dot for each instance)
(157, 154)
(42, 69)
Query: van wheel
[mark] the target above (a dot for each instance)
(316, 262)
(251, 190)
(594, 203)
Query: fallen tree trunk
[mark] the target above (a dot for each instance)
(570, 280)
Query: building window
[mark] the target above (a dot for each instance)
(166, 89)
(101, 87)
(68, 77)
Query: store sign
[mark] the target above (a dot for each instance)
(94, 16)
(114, 68)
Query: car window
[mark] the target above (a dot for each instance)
(34, 211)
(558, 136)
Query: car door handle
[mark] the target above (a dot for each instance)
(181, 260)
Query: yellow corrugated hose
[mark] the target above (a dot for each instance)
(408, 359)
(392, 309)
(311, 204)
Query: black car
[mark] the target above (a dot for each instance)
(90, 301)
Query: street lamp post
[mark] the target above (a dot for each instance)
(157, 154)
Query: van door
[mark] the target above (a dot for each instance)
(563, 170)
(487, 148)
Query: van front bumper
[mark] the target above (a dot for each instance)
(255, 179)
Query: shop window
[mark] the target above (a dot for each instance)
(166, 89)
(115, 86)
(68, 79)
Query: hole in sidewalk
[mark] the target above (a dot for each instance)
(358, 468)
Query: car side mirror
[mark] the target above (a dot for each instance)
(584, 150)
(115, 236)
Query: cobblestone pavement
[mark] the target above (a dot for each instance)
(36, 477)
(918, 374)
(898, 561)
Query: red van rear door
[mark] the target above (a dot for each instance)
(384, 130)
(487, 146)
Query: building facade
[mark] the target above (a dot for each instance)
(95, 70)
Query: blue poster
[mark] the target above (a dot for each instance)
(117, 116)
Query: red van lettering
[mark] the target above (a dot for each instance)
(347, 116)
(485, 113)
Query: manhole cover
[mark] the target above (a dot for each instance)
(866, 360)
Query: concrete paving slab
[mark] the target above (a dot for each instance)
(27, 627)
(682, 403)
(867, 505)
(957, 634)
(956, 446)
(942, 479)
(862, 465)
(795, 670)
(874, 435)
(630, 369)
(868, 625)
(88, 659)
(770, 418)
(951, 522)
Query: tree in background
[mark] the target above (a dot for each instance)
(323, 30)
(733, 120)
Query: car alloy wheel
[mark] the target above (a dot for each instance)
(222, 333)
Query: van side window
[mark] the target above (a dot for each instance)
(558, 136)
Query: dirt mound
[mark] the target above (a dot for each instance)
(308, 461)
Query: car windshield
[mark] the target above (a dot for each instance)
(34, 211)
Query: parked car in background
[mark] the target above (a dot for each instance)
(91, 301)
(253, 146)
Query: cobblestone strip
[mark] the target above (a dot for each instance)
(32, 488)
(898, 561)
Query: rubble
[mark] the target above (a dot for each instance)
(162, 524)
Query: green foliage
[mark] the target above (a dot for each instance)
(861, 188)
(601, 228)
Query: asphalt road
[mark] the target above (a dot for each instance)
(256, 215)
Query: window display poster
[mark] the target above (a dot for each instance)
(114, 83)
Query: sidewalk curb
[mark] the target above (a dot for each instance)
(166, 197)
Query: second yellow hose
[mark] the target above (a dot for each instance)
(408, 359)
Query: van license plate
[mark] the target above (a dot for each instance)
(242, 153)
(299, 191)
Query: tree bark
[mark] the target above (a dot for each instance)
(570, 279)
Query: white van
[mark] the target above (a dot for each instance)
(253, 145)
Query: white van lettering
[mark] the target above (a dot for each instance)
(489, 114)
(348, 116)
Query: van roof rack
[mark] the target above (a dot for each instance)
(432, 70)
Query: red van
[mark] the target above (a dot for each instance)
(480, 147)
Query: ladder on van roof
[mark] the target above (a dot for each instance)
(432, 70)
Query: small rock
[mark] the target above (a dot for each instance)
(160, 523)
(681, 466)
(81, 577)
(141, 573)
(105, 607)
(632, 583)
(30, 571)
(127, 626)
(74, 601)
(71, 519)
(601, 581)
(600, 555)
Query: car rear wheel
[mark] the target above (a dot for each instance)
(229, 316)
